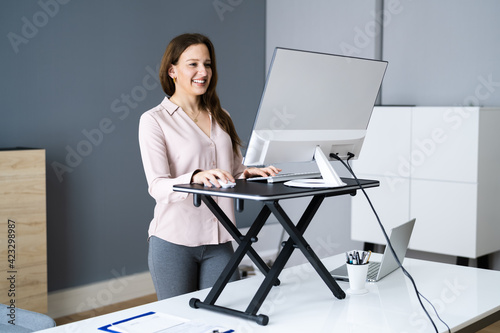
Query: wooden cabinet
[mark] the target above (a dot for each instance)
(23, 229)
(440, 165)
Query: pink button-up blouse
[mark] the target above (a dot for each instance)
(172, 148)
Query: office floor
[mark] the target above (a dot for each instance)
(494, 328)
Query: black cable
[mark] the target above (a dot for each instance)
(408, 275)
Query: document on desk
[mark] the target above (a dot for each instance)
(154, 322)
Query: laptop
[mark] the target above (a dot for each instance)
(400, 238)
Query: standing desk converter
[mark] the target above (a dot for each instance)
(269, 195)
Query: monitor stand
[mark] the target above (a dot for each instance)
(328, 174)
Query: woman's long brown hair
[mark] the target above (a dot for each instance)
(209, 101)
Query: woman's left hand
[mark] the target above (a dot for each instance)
(261, 172)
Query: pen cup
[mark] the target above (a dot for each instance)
(357, 278)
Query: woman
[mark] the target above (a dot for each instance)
(189, 138)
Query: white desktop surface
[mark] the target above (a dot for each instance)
(303, 303)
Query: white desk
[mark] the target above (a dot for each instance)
(466, 298)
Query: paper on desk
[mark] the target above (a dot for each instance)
(163, 323)
(155, 322)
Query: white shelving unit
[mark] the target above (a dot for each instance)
(440, 165)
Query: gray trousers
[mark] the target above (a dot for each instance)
(178, 269)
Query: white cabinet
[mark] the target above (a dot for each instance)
(440, 165)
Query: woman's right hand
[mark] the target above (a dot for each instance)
(209, 177)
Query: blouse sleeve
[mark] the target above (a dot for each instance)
(238, 165)
(156, 165)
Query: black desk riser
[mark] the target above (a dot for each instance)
(269, 195)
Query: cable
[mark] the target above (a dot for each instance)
(408, 275)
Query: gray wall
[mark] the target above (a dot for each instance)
(76, 75)
(439, 52)
(323, 26)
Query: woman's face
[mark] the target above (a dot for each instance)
(193, 71)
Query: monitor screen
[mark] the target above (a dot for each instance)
(313, 100)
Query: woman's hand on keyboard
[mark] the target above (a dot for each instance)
(261, 172)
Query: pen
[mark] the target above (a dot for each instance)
(357, 257)
(368, 257)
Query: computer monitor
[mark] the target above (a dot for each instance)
(313, 105)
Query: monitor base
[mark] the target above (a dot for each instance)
(328, 174)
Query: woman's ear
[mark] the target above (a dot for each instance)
(171, 71)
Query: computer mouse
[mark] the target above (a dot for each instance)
(228, 184)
